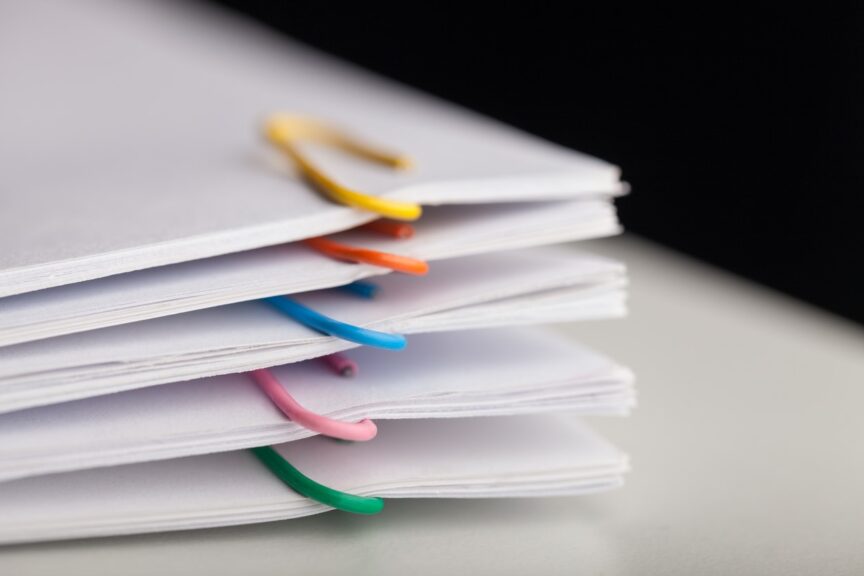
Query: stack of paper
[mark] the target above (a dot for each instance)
(171, 303)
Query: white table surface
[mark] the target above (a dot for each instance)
(747, 448)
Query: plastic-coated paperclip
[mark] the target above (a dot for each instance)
(399, 230)
(341, 365)
(340, 251)
(331, 327)
(285, 131)
(361, 288)
(356, 431)
(307, 487)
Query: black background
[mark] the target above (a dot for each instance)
(739, 129)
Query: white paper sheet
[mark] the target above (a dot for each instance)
(523, 456)
(241, 337)
(466, 374)
(445, 232)
(131, 139)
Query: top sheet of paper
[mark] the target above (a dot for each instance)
(131, 139)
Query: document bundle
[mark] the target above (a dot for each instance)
(244, 282)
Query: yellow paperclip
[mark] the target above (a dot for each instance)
(285, 131)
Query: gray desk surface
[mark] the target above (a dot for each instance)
(747, 454)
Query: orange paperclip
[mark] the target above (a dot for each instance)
(399, 230)
(353, 254)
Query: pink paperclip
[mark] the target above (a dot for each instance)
(341, 364)
(356, 431)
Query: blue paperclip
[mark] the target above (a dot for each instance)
(331, 327)
(360, 288)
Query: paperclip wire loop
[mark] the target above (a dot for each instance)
(331, 327)
(286, 131)
(396, 262)
(341, 365)
(293, 127)
(360, 288)
(307, 487)
(356, 431)
(398, 230)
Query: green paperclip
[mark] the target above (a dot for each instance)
(307, 487)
